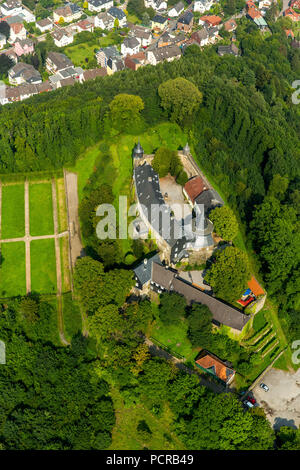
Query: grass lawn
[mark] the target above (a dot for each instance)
(71, 316)
(65, 266)
(12, 269)
(124, 434)
(13, 216)
(43, 266)
(41, 209)
(80, 52)
(61, 205)
(173, 337)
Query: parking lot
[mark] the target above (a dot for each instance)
(282, 401)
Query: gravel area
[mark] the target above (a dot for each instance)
(282, 401)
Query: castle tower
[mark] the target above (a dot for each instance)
(138, 151)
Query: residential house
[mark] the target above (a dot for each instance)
(11, 7)
(100, 5)
(85, 25)
(290, 13)
(203, 5)
(255, 15)
(210, 20)
(230, 25)
(21, 92)
(185, 22)
(232, 49)
(44, 25)
(67, 76)
(104, 21)
(160, 54)
(157, 5)
(176, 10)
(91, 74)
(62, 38)
(69, 12)
(103, 54)
(130, 46)
(23, 73)
(211, 364)
(164, 279)
(193, 188)
(135, 61)
(213, 35)
(17, 32)
(265, 4)
(24, 47)
(27, 15)
(201, 37)
(57, 61)
(159, 22)
(115, 64)
(2, 41)
(118, 15)
(167, 39)
(143, 272)
(143, 35)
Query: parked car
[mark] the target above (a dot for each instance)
(264, 387)
(251, 399)
(248, 403)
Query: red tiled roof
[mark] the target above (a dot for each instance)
(254, 13)
(209, 361)
(17, 27)
(212, 19)
(255, 287)
(194, 187)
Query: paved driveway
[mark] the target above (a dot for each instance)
(282, 401)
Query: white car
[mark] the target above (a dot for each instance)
(248, 403)
(264, 387)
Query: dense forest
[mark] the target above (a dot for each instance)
(245, 134)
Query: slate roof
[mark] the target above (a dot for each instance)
(222, 313)
(211, 199)
(144, 270)
(98, 3)
(159, 19)
(166, 52)
(186, 18)
(116, 13)
(131, 43)
(61, 61)
(149, 196)
(44, 22)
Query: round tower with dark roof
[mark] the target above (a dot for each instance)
(138, 151)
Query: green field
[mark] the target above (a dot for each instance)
(80, 52)
(41, 209)
(43, 266)
(12, 269)
(12, 217)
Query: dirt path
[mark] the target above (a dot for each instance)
(76, 249)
